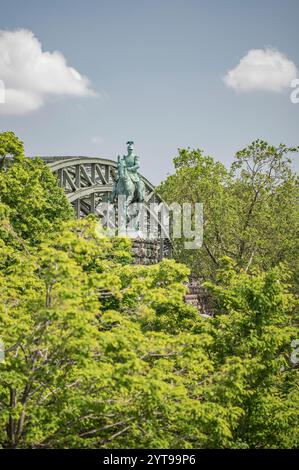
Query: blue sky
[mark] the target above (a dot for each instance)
(157, 68)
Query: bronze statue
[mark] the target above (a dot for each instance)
(128, 182)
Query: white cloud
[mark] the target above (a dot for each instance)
(262, 69)
(30, 75)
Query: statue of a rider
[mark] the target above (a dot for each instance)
(128, 180)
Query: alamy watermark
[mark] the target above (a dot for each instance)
(154, 221)
(294, 96)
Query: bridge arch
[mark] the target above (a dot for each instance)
(88, 182)
(90, 177)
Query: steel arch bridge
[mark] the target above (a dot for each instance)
(88, 182)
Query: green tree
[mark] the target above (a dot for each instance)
(102, 353)
(35, 204)
(256, 322)
(10, 146)
(73, 363)
(250, 211)
(138, 367)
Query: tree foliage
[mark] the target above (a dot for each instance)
(103, 353)
(28, 187)
(250, 211)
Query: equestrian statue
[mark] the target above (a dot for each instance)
(128, 182)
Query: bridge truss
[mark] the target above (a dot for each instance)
(88, 182)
